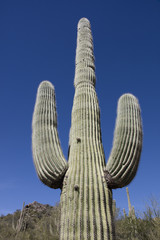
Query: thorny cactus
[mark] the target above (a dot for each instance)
(85, 180)
(130, 207)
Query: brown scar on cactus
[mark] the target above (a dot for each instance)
(86, 181)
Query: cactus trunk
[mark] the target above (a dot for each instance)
(86, 200)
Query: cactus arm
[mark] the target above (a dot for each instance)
(47, 154)
(127, 144)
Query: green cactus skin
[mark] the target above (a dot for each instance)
(86, 181)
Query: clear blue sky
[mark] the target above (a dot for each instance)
(38, 42)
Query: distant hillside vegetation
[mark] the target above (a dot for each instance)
(36, 221)
(42, 222)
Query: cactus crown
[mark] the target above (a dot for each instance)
(85, 68)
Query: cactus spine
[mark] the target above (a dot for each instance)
(86, 181)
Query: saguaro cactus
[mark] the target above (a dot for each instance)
(85, 180)
(130, 207)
